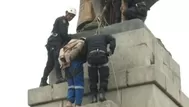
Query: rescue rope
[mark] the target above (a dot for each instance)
(118, 92)
(122, 16)
(99, 20)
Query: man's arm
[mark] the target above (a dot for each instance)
(55, 26)
(112, 41)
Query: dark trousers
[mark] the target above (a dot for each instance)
(52, 62)
(117, 5)
(98, 64)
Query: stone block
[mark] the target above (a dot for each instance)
(86, 100)
(173, 89)
(145, 96)
(176, 80)
(59, 91)
(166, 70)
(146, 74)
(107, 103)
(85, 68)
(51, 104)
(86, 86)
(114, 96)
(184, 100)
(52, 76)
(131, 57)
(175, 67)
(161, 74)
(86, 79)
(121, 80)
(133, 38)
(117, 79)
(162, 56)
(39, 95)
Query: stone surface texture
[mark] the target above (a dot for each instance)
(145, 96)
(39, 95)
(51, 104)
(103, 104)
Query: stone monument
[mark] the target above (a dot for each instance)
(145, 73)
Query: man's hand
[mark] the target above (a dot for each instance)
(109, 53)
(60, 62)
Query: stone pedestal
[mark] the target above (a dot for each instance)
(145, 72)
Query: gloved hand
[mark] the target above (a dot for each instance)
(60, 62)
(109, 53)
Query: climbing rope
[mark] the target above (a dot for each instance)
(100, 21)
(122, 16)
(117, 87)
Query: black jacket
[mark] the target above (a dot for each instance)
(100, 42)
(59, 35)
(82, 56)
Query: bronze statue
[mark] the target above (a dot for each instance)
(112, 11)
(106, 11)
(89, 10)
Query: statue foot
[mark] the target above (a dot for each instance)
(90, 26)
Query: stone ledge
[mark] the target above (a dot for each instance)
(39, 95)
(107, 103)
(115, 28)
(59, 91)
(154, 74)
(143, 94)
(146, 96)
(51, 104)
(146, 74)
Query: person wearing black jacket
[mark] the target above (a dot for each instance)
(58, 39)
(97, 59)
(135, 9)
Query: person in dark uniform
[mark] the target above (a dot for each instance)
(135, 9)
(97, 59)
(58, 39)
(117, 5)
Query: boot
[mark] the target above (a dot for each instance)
(60, 80)
(94, 98)
(102, 96)
(43, 82)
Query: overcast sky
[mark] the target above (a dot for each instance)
(25, 26)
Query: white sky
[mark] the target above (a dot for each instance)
(25, 26)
